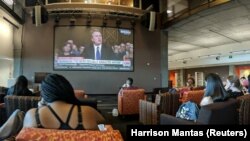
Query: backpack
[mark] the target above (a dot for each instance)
(188, 111)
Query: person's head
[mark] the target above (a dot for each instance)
(70, 41)
(129, 81)
(243, 77)
(190, 82)
(22, 81)
(57, 88)
(20, 85)
(234, 81)
(96, 37)
(123, 47)
(81, 49)
(66, 48)
(215, 88)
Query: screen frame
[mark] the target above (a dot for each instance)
(70, 26)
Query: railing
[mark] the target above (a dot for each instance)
(172, 14)
(123, 8)
(14, 8)
(128, 3)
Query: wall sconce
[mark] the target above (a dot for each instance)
(89, 19)
(104, 22)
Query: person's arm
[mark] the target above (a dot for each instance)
(29, 119)
(91, 118)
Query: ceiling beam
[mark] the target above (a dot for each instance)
(187, 43)
(216, 32)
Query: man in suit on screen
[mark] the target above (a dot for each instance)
(98, 51)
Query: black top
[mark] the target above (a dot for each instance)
(63, 125)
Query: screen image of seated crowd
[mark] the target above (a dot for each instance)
(93, 48)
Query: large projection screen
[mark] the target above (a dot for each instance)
(93, 48)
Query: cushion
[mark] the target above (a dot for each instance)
(40, 134)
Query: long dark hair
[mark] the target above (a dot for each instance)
(215, 88)
(56, 87)
(20, 86)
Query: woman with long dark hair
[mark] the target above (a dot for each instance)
(20, 88)
(215, 90)
(62, 110)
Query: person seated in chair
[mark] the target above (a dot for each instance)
(61, 108)
(129, 84)
(215, 91)
(190, 83)
(20, 88)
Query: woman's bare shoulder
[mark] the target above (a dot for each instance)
(29, 119)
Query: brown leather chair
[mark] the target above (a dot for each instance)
(194, 96)
(80, 94)
(216, 113)
(244, 109)
(128, 101)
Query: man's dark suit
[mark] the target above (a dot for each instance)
(106, 53)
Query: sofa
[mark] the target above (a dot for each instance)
(39, 134)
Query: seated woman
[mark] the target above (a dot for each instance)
(233, 86)
(62, 109)
(20, 88)
(214, 91)
(190, 83)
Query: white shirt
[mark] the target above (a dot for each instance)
(100, 50)
(206, 101)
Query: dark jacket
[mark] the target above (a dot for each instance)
(106, 53)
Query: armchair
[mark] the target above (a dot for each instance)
(194, 96)
(244, 109)
(128, 101)
(216, 113)
(80, 94)
(24, 103)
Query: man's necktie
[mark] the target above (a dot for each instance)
(98, 54)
